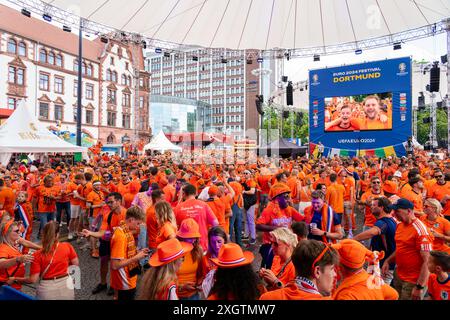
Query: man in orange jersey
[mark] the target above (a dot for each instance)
(95, 201)
(349, 221)
(335, 195)
(413, 246)
(152, 225)
(439, 227)
(63, 201)
(366, 200)
(356, 283)
(415, 195)
(124, 255)
(294, 184)
(439, 281)
(314, 264)
(46, 195)
(375, 119)
(217, 206)
(343, 123)
(441, 191)
(7, 198)
(128, 189)
(170, 191)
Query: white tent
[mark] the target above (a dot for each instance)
(161, 143)
(262, 24)
(23, 133)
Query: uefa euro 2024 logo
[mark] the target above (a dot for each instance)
(315, 78)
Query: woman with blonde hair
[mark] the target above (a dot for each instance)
(166, 222)
(282, 271)
(438, 225)
(51, 266)
(160, 281)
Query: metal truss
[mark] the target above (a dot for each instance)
(69, 19)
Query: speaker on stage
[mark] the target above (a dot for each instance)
(299, 119)
(289, 94)
(285, 114)
(259, 104)
(434, 78)
(426, 120)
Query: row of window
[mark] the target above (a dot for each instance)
(111, 119)
(237, 118)
(58, 113)
(17, 48)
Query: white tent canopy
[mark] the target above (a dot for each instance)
(261, 24)
(23, 133)
(161, 143)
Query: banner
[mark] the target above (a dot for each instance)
(362, 107)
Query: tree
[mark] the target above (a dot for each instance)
(423, 129)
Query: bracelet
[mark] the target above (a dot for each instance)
(325, 234)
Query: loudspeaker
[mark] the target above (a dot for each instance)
(426, 120)
(421, 102)
(444, 59)
(434, 79)
(285, 114)
(259, 104)
(284, 78)
(289, 94)
(299, 119)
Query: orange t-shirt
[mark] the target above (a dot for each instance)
(120, 279)
(6, 252)
(218, 208)
(335, 197)
(169, 194)
(439, 192)
(292, 183)
(263, 182)
(167, 230)
(187, 273)
(291, 292)
(64, 254)
(410, 240)
(95, 198)
(71, 188)
(152, 227)
(370, 219)
(437, 290)
(115, 220)
(226, 199)
(442, 226)
(286, 275)
(83, 191)
(238, 188)
(45, 204)
(7, 199)
(128, 191)
(349, 186)
(62, 191)
(415, 198)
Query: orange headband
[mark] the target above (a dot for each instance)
(7, 226)
(319, 257)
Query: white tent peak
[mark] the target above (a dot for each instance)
(161, 143)
(23, 133)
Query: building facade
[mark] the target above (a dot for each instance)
(39, 64)
(224, 82)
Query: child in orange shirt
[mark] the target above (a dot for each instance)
(24, 212)
(439, 280)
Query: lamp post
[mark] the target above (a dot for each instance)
(80, 84)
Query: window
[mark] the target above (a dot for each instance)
(59, 60)
(43, 56)
(108, 75)
(89, 117)
(43, 110)
(126, 100)
(89, 91)
(58, 112)
(84, 68)
(111, 121)
(126, 121)
(124, 80)
(75, 65)
(59, 85)
(126, 65)
(141, 102)
(51, 58)
(141, 82)
(12, 75)
(89, 70)
(12, 46)
(12, 103)
(22, 49)
(75, 113)
(111, 96)
(44, 80)
(75, 89)
(112, 60)
(129, 81)
(114, 77)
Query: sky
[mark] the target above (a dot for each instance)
(430, 49)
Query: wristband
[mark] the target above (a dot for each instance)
(325, 234)
(419, 287)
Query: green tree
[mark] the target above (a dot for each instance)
(274, 117)
(423, 129)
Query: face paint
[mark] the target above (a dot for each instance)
(282, 202)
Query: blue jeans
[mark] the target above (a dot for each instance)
(142, 242)
(236, 224)
(250, 223)
(193, 297)
(45, 217)
(59, 208)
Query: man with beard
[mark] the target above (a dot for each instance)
(382, 234)
(343, 123)
(375, 118)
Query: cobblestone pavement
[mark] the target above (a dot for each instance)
(90, 267)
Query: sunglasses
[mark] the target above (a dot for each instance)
(438, 177)
(16, 231)
(376, 182)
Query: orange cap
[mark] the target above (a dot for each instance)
(390, 186)
(353, 254)
(213, 190)
(277, 189)
(189, 229)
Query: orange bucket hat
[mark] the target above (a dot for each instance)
(390, 186)
(168, 251)
(232, 256)
(277, 189)
(353, 254)
(213, 190)
(189, 229)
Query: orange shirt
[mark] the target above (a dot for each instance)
(115, 220)
(291, 292)
(169, 194)
(325, 181)
(368, 124)
(349, 186)
(167, 230)
(64, 254)
(152, 227)
(84, 191)
(62, 191)
(108, 188)
(95, 198)
(7, 199)
(439, 192)
(442, 226)
(437, 290)
(286, 275)
(218, 208)
(415, 198)
(44, 203)
(410, 240)
(128, 191)
(120, 278)
(7, 252)
(238, 188)
(355, 287)
(263, 182)
(370, 219)
(335, 197)
(71, 188)
(226, 199)
(292, 183)
(187, 273)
